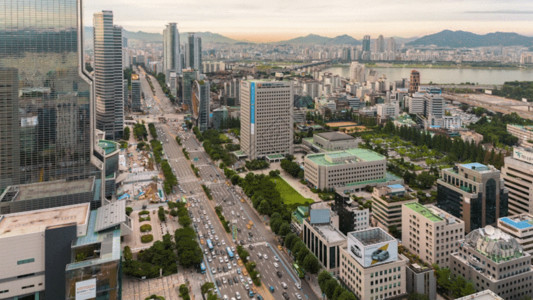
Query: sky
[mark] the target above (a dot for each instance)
(274, 20)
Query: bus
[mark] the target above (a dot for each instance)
(202, 268)
(209, 244)
(230, 253)
(299, 270)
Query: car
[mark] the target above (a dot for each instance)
(238, 271)
(284, 285)
(285, 295)
(205, 251)
(230, 282)
(220, 260)
(219, 269)
(259, 297)
(226, 259)
(265, 256)
(225, 297)
(246, 286)
(251, 247)
(238, 295)
(298, 296)
(225, 269)
(216, 237)
(298, 286)
(214, 271)
(276, 258)
(209, 259)
(234, 263)
(224, 280)
(229, 266)
(250, 281)
(380, 255)
(235, 279)
(279, 274)
(276, 265)
(223, 242)
(259, 254)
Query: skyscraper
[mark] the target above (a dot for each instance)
(189, 76)
(193, 53)
(201, 103)
(391, 45)
(518, 177)
(357, 72)
(266, 122)
(47, 136)
(414, 82)
(380, 44)
(171, 50)
(108, 75)
(366, 48)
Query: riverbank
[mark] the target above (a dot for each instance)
(440, 66)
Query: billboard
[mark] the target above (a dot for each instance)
(375, 254)
(252, 107)
(86, 289)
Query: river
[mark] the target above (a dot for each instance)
(448, 76)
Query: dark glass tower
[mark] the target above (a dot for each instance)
(42, 84)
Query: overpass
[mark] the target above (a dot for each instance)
(494, 103)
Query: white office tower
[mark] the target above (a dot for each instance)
(517, 174)
(171, 50)
(357, 72)
(266, 123)
(108, 75)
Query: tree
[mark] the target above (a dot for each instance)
(275, 225)
(284, 229)
(290, 239)
(161, 214)
(330, 287)
(264, 208)
(126, 133)
(338, 291)
(346, 296)
(206, 287)
(311, 263)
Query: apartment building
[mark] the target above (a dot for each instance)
(520, 227)
(387, 205)
(523, 133)
(431, 233)
(266, 118)
(494, 260)
(517, 174)
(371, 266)
(473, 192)
(340, 168)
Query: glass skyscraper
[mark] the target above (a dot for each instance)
(45, 107)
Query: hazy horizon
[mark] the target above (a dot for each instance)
(278, 20)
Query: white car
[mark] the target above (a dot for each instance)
(223, 242)
(276, 265)
(284, 285)
(249, 281)
(209, 259)
(259, 254)
(238, 295)
(226, 259)
(276, 258)
(234, 263)
(265, 256)
(229, 266)
(298, 296)
(224, 280)
(298, 286)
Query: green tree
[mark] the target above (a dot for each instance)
(323, 277)
(330, 287)
(284, 229)
(275, 225)
(311, 263)
(290, 239)
(206, 287)
(126, 133)
(264, 208)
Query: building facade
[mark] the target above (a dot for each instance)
(352, 217)
(517, 173)
(520, 227)
(340, 168)
(266, 123)
(473, 192)
(421, 280)
(108, 75)
(494, 261)
(171, 50)
(387, 203)
(335, 141)
(201, 99)
(371, 266)
(135, 93)
(414, 82)
(431, 233)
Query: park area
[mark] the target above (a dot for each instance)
(288, 194)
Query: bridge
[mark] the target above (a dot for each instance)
(494, 103)
(313, 64)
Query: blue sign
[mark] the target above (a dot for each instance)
(252, 103)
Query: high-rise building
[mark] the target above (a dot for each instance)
(414, 82)
(357, 72)
(519, 227)
(171, 50)
(380, 44)
(201, 103)
(391, 45)
(431, 233)
(370, 265)
(135, 93)
(494, 260)
(108, 75)
(188, 78)
(352, 216)
(45, 96)
(387, 205)
(473, 192)
(517, 174)
(366, 43)
(193, 53)
(266, 123)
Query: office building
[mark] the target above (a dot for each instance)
(232, 92)
(380, 44)
(9, 128)
(266, 123)
(421, 280)
(387, 203)
(523, 132)
(371, 266)
(108, 76)
(340, 168)
(193, 53)
(171, 50)
(55, 253)
(135, 93)
(45, 98)
(517, 173)
(417, 104)
(388, 110)
(414, 82)
(220, 116)
(483, 295)
(520, 227)
(433, 106)
(473, 192)
(431, 233)
(493, 260)
(352, 216)
(334, 141)
(187, 82)
(201, 99)
(357, 72)
(323, 239)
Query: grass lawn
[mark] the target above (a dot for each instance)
(289, 195)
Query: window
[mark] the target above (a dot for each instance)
(25, 261)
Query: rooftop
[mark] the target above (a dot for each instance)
(38, 220)
(483, 295)
(110, 215)
(319, 216)
(335, 136)
(519, 222)
(53, 189)
(494, 244)
(371, 236)
(108, 146)
(424, 211)
(330, 233)
(360, 155)
(475, 166)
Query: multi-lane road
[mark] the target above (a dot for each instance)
(256, 240)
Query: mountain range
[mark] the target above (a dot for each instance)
(459, 39)
(445, 38)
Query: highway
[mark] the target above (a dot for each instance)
(206, 221)
(494, 103)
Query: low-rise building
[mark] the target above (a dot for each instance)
(387, 204)
(352, 216)
(421, 280)
(431, 233)
(519, 227)
(371, 266)
(483, 295)
(469, 136)
(335, 141)
(340, 168)
(494, 260)
(322, 238)
(523, 133)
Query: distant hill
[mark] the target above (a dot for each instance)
(314, 39)
(148, 37)
(459, 39)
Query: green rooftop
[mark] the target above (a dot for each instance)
(108, 146)
(359, 153)
(421, 209)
